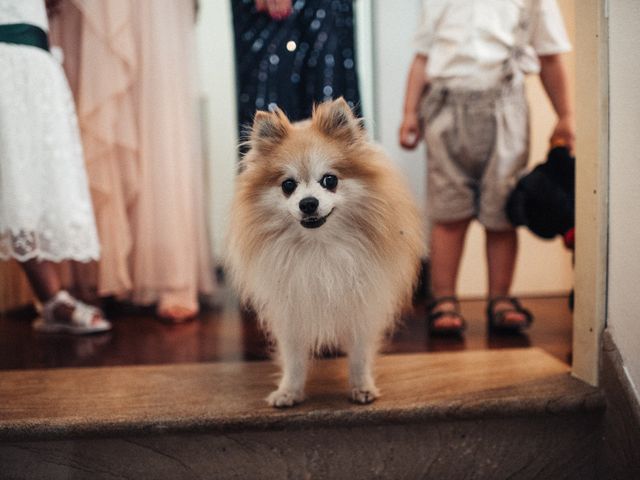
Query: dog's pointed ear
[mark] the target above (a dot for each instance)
(269, 129)
(336, 120)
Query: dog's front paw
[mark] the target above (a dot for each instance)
(284, 398)
(364, 395)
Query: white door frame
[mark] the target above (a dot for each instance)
(592, 188)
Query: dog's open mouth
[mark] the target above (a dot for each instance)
(314, 222)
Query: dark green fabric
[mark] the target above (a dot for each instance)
(24, 34)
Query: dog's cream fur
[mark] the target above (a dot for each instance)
(343, 284)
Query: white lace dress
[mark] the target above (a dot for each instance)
(45, 207)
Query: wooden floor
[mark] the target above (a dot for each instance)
(230, 395)
(229, 334)
(509, 413)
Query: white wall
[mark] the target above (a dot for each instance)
(217, 93)
(394, 24)
(623, 315)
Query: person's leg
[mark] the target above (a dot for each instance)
(447, 243)
(502, 249)
(452, 192)
(508, 161)
(178, 306)
(85, 281)
(45, 282)
(43, 279)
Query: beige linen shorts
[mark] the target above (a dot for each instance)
(477, 148)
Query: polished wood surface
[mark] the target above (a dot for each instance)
(230, 334)
(230, 395)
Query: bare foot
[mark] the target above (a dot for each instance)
(511, 317)
(177, 314)
(448, 320)
(444, 317)
(63, 314)
(508, 314)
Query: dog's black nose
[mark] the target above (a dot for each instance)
(309, 205)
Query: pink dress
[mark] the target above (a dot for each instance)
(131, 67)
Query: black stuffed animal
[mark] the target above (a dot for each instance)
(544, 199)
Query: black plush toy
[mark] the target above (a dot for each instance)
(544, 199)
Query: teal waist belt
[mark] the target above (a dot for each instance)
(24, 34)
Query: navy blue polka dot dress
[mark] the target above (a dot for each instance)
(306, 58)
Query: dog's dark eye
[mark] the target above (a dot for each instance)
(288, 186)
(330, 182)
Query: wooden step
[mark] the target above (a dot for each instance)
(507, 409)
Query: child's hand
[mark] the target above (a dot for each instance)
(277, 9)
(564, 133)
(410, 132)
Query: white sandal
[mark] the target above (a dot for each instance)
(82, 317)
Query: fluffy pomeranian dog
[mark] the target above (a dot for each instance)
(325, 243)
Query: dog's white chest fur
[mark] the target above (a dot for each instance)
(326, 291)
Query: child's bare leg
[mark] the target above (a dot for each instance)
(447, 242)
(45, 282)
(85, 281)
(43, 278)
(502, 248)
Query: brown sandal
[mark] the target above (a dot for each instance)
(496, 319)
(433, 316)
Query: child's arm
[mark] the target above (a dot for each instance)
(554, 80)
(410, 129)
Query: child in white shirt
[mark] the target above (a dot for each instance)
(465, 93)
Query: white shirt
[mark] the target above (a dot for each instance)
(469, 41)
